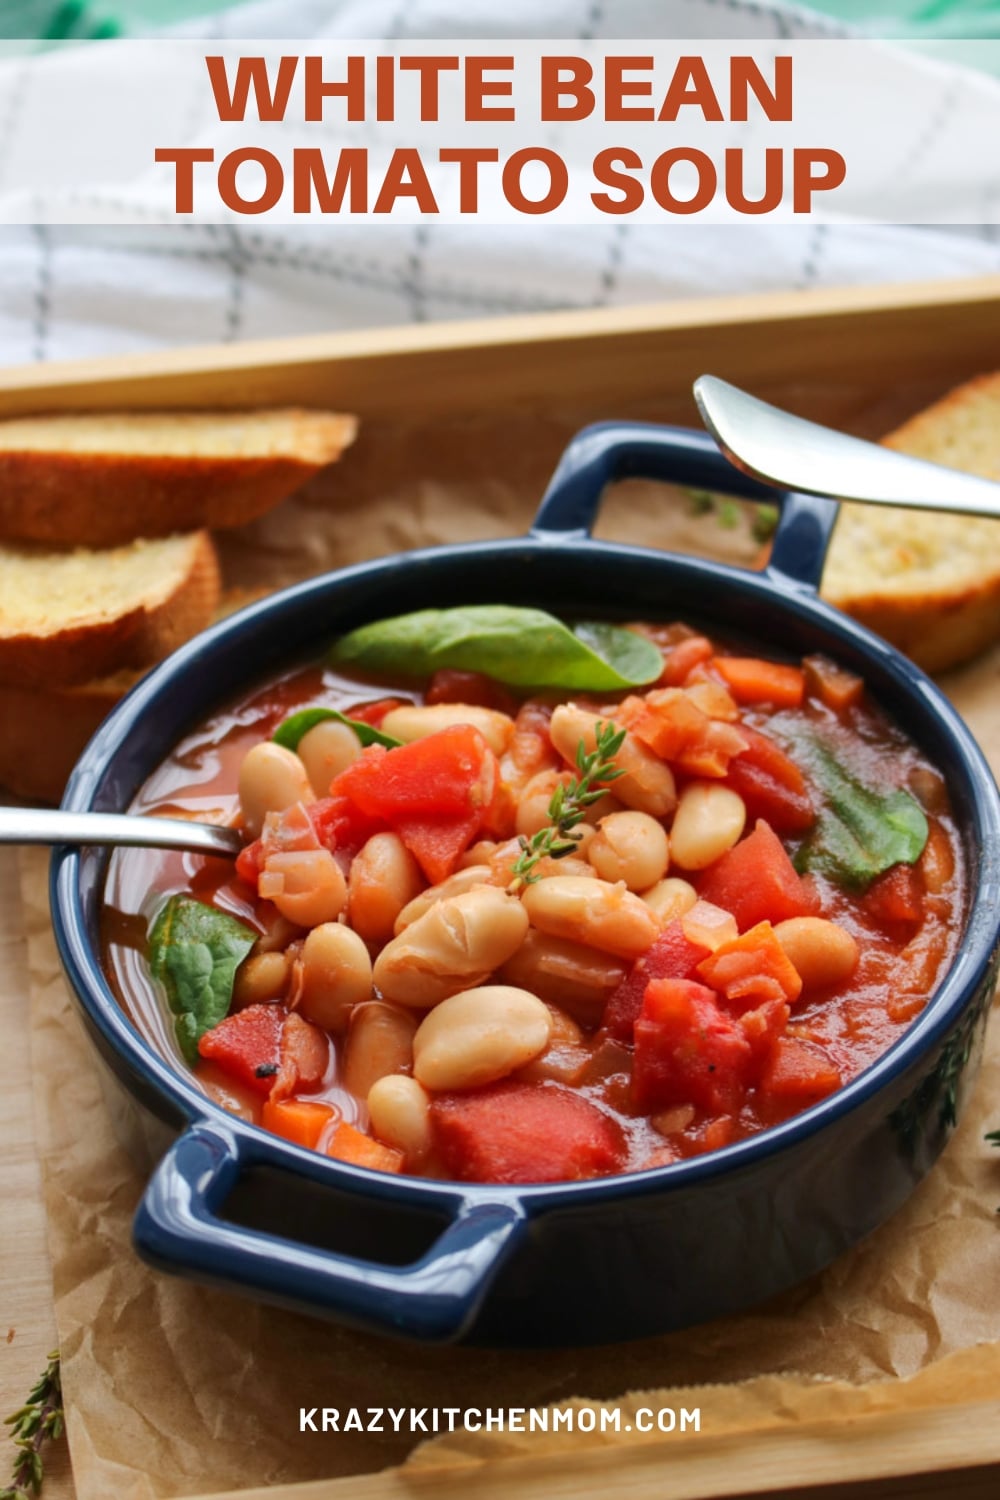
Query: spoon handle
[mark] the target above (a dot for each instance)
(770, 444)
(32, 825)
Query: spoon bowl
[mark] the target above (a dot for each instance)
(784, 450)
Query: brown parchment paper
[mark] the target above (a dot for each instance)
(173, 1389)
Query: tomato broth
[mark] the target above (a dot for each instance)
(757, 901)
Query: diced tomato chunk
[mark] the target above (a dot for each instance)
(799, 1073)
(250, 862)
(757, 882)
(300, 1120)
(341, 825)
(751, 970)
(374, 713)
(247, 1045)
(752, 680)
(687, 1051)
(896, 901)
(525, 1132)
(771, 784)
(672, 956)
(438, 793)
(437, 846)
(448, 685)
(445, 775)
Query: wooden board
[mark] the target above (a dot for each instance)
(869, 355)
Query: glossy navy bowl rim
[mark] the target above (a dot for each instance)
(563, 523)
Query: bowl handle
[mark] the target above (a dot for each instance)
(178, 1228)
(607, 451)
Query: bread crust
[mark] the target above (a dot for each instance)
(43, 731)
(103, 499)
(946, 607)
(135, 638)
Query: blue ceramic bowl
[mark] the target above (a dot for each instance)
(584, 1262)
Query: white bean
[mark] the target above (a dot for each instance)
(260, 978)
(708, 821)
(648, 782)
(379, 1042)
(576, 978)
(327, 749)
(630, 846)
(455, 885)
(591, 912)
(479, 1036)
(669, 899)
(415, 721)
(454, 946)
(271, 779)
(821, 952)
(306, 885)
(400, 1116)
(335, 975)
(384, 878)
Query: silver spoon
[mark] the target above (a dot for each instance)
(770, 444)
(32, 825)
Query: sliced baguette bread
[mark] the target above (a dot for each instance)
(43, 731)
(68, 617)
(101, 479)
(928, 583)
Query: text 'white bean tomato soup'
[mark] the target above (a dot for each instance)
(526, 903)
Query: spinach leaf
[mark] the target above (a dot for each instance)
(290, 732)
(521, 647)
(860, 833)
(194, 951)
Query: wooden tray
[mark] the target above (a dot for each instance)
(860, 357)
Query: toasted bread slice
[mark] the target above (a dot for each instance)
(99, 480)
(43, 728)
(67, 617)
(928, 583)
(43, 731)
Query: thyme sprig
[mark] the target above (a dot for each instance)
(569, 803)
(38, 1421)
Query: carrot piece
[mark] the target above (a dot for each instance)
(751, 680)
(352, 1145)
(799, 1073)
(752, 969)
(300, 1120)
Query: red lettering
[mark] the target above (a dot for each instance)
(430, 70)
(479, 88)
(184, 158)
(350, 177)
(231, 104)
(690, 85)
(317, 88)
(468, 159)
(805, 182)
(558, 180)
(633, 192)
(618, 88)
(659, 181)
(405, 178)
(555, 84)
(274, 180)
(745, 78)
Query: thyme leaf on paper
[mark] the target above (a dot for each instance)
(569, 803)
(39, 1421)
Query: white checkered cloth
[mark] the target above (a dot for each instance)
(68, 292)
